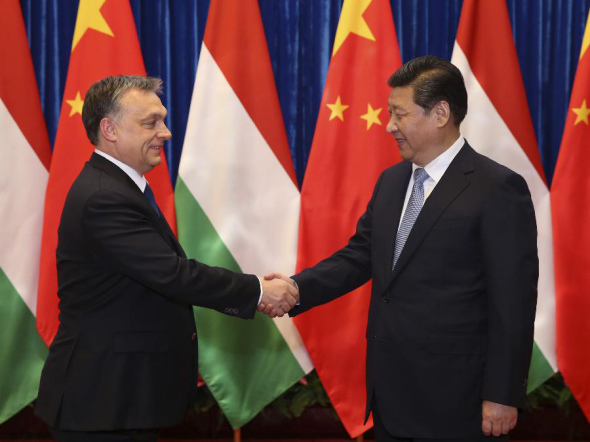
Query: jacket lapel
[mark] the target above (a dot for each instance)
(454, 181)
(171, 236)
(159, 221)
(397, 194)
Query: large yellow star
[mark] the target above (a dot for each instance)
(352, 22)
(372, 116)
(89, 17)
(337, 109)
(582, 113)
(76, 104)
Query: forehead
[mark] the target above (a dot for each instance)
(138, 102)
(401, 97)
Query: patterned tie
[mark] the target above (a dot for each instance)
(151, 198)
(415, 204)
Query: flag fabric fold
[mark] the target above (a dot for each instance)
(238, 207)
(499, 125)
(570, 193)
(349, 150)
(105, 43)
(23, 178)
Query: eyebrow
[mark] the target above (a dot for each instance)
(154, 115)
(392, 106)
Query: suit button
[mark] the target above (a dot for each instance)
(385, 298)
(194, 336)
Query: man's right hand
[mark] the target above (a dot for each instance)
(498, 419)
(278, 296)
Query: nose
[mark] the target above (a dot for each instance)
(164, 133)
(391, 126)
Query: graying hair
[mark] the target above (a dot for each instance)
(103, 99)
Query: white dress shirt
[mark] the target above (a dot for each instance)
(130, 171)
(435, 170)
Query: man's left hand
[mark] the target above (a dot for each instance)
(497, 419)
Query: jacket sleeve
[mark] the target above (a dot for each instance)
(511, 266)
(344, 271)
(118, 231)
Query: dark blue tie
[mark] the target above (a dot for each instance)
(151, 198)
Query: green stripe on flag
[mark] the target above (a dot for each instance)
(22, 352)
(540, 369)
(246, 364)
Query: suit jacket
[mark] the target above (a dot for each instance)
(125, 354)
(452, 325)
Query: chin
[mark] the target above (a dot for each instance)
(406, 155)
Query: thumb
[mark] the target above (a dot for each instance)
(270, 275)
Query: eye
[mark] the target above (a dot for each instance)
(149, 124)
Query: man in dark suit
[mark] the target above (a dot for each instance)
(124, 360)
(449, 240)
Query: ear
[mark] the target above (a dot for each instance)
(108, 129)
(443, 113)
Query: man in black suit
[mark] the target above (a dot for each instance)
(449, 240)
(124, 360)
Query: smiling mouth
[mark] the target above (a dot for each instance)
(156, 147)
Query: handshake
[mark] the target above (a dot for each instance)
(279, 294)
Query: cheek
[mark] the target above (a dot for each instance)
(403, 128)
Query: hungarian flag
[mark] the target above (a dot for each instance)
(25, 156)
(105, 43)
(238, 207)
(349, 151)
(570, 199)
(499, 125)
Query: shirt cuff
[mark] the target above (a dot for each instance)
(260, 297)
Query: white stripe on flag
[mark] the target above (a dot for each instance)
(240, 185)
(23, 180)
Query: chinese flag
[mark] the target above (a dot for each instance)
(350, 149)
(570, 198)
(105, 43)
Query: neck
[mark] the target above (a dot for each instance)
(443, 144)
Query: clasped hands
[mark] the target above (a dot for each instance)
(279, 294)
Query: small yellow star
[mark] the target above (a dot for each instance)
(582, 113)
(77, 104)
(372, 116)
(352, 22)
(90, 17)
(337, 109)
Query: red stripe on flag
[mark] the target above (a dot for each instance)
(485, 36)
(97, 55)
(345, 161)
(244, 62)
(18, 85)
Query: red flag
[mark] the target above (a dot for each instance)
(570, 194)
(105, 43)
(18, 88)
(350, 149)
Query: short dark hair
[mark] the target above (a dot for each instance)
(103, 98)
(434, 80)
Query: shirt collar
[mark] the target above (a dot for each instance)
(437, 167)
(130, 171)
